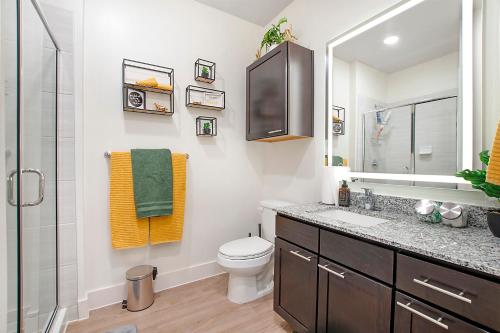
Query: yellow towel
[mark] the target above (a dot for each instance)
(151, 82)
(164, 86)
(166, 229)
(126, 230)
(493, 171)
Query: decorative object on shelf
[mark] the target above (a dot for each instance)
(204, 71)
(478, 180)
(338, 121)
(205, 98)
(206, 126)
(147, 88)
(136, 99)
(161, 108)
(273, 37)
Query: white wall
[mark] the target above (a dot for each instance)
(224, 182)
(292, 170)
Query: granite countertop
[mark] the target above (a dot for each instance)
(473, 247)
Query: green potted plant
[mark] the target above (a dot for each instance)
(273, 36)
(477, 178)
(206, 128)
(205, 72)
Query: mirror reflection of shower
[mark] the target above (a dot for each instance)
(417, 138)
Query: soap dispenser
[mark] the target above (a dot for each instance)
(344, 195)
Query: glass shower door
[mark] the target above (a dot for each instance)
(38, 128)
(29, 163)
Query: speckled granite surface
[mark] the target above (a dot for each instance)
(473, 247)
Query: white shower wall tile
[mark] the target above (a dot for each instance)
(69, 285)
(66, 197)
(67, 241)
(66, 163)
(66, 84)
(66, 116)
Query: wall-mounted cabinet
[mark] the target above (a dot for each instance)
(280, 95)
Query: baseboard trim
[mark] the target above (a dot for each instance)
(102, 297)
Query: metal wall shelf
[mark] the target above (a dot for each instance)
(145, 99)
(205, 98)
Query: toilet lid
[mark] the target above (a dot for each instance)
(246, 248)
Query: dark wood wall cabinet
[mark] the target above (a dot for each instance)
(331, 282)
(280, 94)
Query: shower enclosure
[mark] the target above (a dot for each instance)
(28, 170)
(415, 138)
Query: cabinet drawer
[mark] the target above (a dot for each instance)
(365, 257)
(298, 233)
(472, 297)
(413, 316)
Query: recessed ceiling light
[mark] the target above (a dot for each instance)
(391, 40)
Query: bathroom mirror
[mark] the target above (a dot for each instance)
(400, 87)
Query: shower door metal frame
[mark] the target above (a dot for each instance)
(19, 105)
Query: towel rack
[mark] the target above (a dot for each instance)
(107, 154)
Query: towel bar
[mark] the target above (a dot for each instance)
(107, 154)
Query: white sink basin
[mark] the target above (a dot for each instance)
(352, 218)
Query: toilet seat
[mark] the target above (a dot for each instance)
(246, 248)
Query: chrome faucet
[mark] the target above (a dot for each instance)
(368, 199)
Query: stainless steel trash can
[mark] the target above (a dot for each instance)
(140, 293)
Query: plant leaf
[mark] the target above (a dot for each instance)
(484, 156)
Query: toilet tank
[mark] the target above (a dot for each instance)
(268, 217)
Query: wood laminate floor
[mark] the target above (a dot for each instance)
(200, 306)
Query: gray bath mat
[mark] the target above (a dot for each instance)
(124, 329)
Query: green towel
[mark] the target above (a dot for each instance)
(152, 173)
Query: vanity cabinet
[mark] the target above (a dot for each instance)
(280, 94)
(295, 285)
(351, 302)
(329, 281)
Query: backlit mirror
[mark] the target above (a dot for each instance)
(400, 94)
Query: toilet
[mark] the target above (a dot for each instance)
(249, 260)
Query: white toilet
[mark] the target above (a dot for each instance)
(249, 260)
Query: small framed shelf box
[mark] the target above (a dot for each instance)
(147, 88)
(205, 98)
(204, 71)
(206, 126)
(338, 120)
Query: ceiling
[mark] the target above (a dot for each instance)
(260, 12)
(426, 31)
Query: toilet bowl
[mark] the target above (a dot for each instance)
(249, 261)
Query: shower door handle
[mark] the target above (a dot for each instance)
(41, 187)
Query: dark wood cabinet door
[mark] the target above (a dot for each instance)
(267, 95)
(351, 303)
(295, 285)
(411, 316)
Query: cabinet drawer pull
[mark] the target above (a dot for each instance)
(459, 296)
(325, 267)
(418, 313)
(296, 253)
(275, 131)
